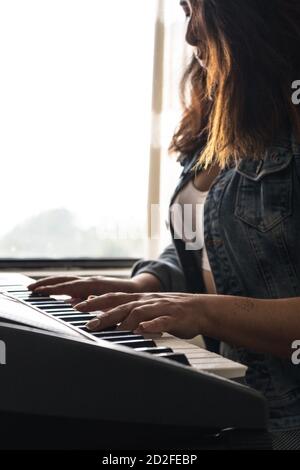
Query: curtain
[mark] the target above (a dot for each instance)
(170, 58)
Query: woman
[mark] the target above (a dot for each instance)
(238, 142)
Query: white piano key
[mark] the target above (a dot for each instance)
(203, 360)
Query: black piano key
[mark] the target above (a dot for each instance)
(53, 306)
(78, 317)
(112, 333)
(85, 328)
(62, 311)
(79, 324)
(118, 339)
(176, 357)
(64, 314)
(155, 351)
(44, 299)
(142, 343)
(49, 302)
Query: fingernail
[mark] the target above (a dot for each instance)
(81, 306)
(93, 324)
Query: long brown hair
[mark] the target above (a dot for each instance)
(242, 100)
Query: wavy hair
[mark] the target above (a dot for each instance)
(242, 99)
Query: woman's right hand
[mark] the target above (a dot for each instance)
(80, 288)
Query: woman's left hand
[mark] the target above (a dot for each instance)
(182, 315)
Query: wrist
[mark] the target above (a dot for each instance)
(220, 314)
(209, 313)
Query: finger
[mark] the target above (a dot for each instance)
(106, 301)
(117, 315)
(48, 281)
(108, 319)
(66, 288)
(74, 301)
(158, 325)
(139, 315)
(112, 317)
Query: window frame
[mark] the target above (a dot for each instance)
(83, 264)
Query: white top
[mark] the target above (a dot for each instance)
(187, 218)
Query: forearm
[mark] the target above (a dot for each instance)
(166, 269)
(267, 326)
(146, 283)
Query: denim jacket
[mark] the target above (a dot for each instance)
(252, 237)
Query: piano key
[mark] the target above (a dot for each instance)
(202, 359)
(203, 354)
(112, 333)
(11, 287)
(25, 293)
(146, 343)
(86, 330)
(60, 310)
(31, 297)
(78, 317)
(66, 314)
(34, 296)
(80, 324)
(172, 342)
(20, 296)
(45, 301)
(53, 306)
(155, 351)
(39, 300)
(118, 339)
(227, 369)
(17, 290)
(181, 358)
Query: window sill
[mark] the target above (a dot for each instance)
(38, 268)
(40, 273)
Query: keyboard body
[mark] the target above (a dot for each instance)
(63, 391)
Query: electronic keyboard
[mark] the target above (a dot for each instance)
(65, 387)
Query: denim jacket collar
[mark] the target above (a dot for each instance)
(277, 158)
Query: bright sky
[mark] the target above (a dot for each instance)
(75, 102)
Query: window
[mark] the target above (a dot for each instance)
(75, 120)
